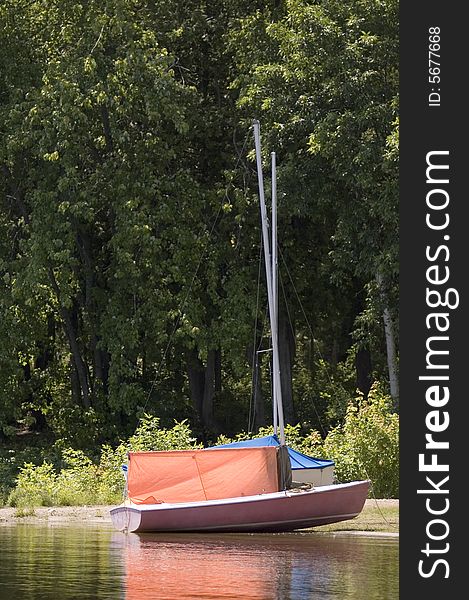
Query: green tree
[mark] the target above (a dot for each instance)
(129, 218)
(96, 152)
(323, 78)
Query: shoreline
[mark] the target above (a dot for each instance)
(378, 517)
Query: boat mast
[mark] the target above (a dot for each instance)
(271, 266)
(274, 320)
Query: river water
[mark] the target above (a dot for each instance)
(93, 562)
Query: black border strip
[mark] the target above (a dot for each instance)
(434, 131)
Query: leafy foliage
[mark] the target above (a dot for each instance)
(367, 444)
(129, 219)
(81, 481)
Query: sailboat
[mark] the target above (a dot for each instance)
(305, 469)
(236, 488)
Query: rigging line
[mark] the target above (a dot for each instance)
(388, 523)
(200, 476)
(257, 351)
(306, 318)
(254, 371)
(180, 309)
(98, 40)
(263, 328)
(290, 322)
(310, 329)
(293, 334)
(372, 491)
(240, 158)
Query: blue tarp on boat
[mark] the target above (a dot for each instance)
(298, 460)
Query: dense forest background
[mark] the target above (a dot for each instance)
(131, 279)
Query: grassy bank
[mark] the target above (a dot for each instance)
(379, 516)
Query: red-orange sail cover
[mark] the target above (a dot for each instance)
(197, 475)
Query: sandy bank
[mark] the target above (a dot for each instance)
(63, 515)
(56, 514)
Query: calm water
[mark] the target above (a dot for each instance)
(69, 562)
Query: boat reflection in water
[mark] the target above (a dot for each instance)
(258, 567)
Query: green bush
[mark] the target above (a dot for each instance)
(76, 483)
(80, 481)
(12, 459)
(36, 485)
(8, 469)
(367, 444)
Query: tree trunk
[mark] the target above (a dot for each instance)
(16, 194)
(203, 382)
(363, 370)
(335, 349)
(218, 371)
(100, 357)
(391, 355)
(209, 389)
(310, 358)
(101, 362)
(195, 373)
(107, 128)
(390, 342)
(74, 382)
(79, 364)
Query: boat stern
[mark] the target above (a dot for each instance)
(126, 518)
